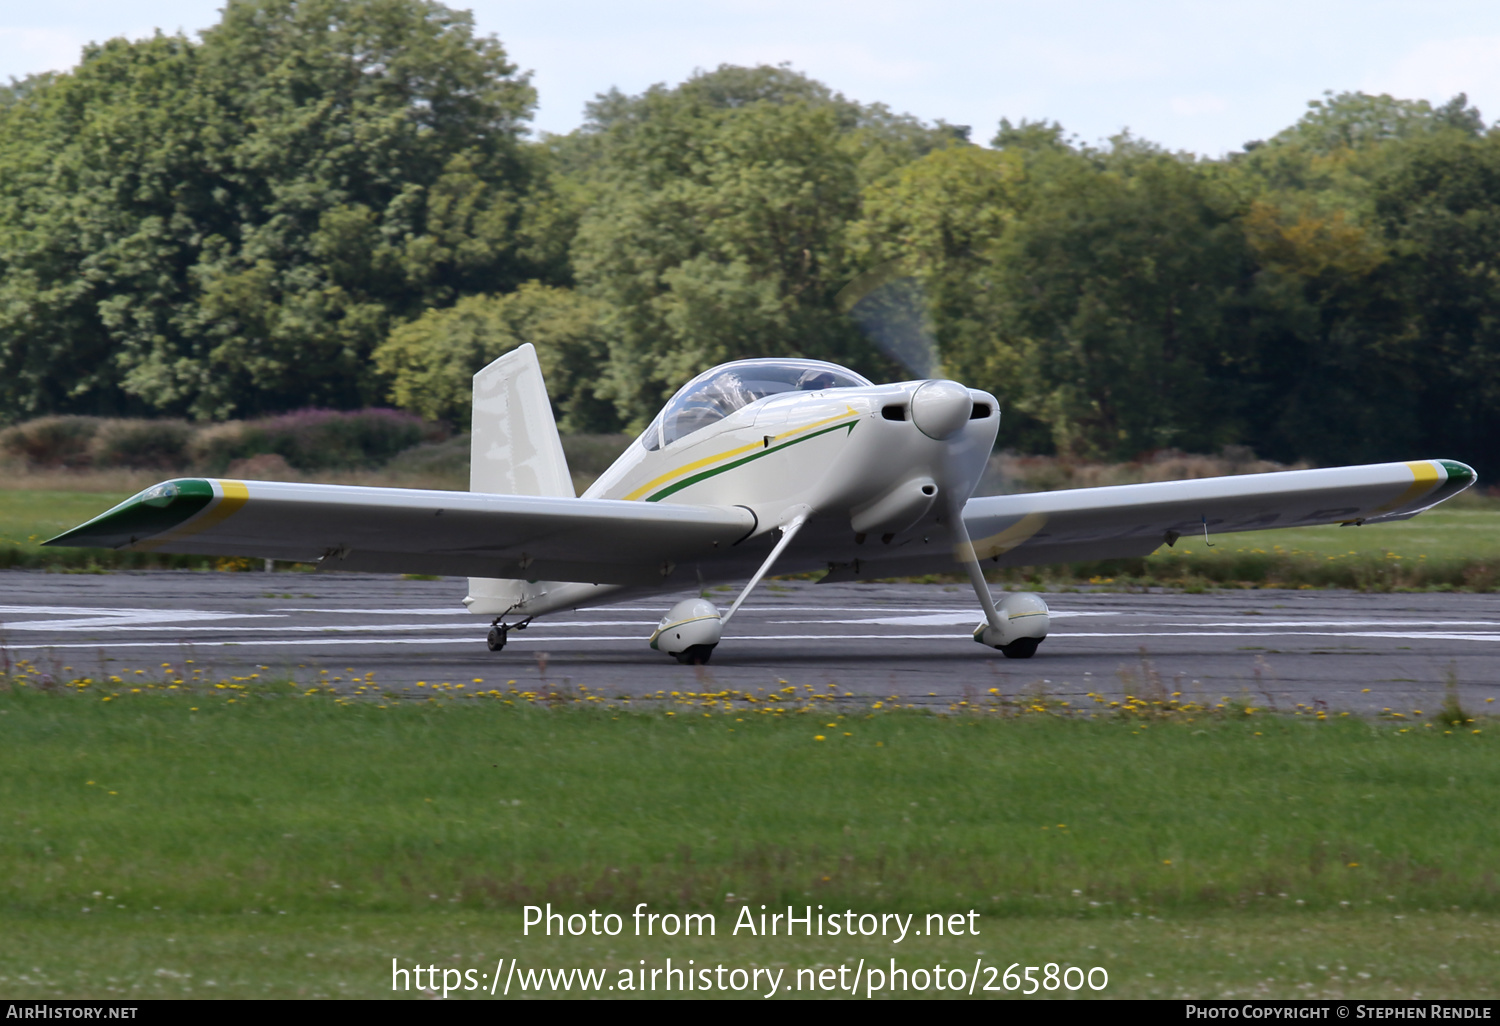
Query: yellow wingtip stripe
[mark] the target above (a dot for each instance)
(232, 495)
(1425, 476)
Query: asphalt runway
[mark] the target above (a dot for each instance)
(1278, 648)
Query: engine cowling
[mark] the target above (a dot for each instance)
(897, 509)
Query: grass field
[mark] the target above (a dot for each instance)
(1454, 545)
(29, 517)
(1443, 533)
(280, 842)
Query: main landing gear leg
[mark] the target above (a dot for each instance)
(498, 632)
(1017, 626)
(787, 534)
(692, 627)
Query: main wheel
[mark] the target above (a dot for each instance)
(695, 655)
(1021, 648)
(496, 639)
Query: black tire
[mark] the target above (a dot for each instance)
(695, 655)
(1021, 648)
(496, 639)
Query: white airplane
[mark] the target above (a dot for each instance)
(794, 464)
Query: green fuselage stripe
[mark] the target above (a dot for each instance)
(672, 489)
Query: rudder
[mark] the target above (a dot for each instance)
(514, 449)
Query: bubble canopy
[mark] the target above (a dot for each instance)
(715, 394)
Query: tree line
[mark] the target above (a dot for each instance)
(336, 203)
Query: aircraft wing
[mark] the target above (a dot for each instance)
(401, 530)
(1121, 521)
(1133, 520)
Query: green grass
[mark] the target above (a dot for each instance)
(1360, 953)
(1443, 533)
(259, 818)
(29, 517)
(1455, 547)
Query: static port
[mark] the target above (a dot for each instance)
(980, 411)
(893, 412)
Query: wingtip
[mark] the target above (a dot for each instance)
(1458, 473)
(158, 508)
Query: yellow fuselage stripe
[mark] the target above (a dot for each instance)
(688, 468)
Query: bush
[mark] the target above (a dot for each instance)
(594, 454)
(52, 441)
(268, 466)
(315, 439)
(141, 444)
(446, 459)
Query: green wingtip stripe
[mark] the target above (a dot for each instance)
(1458, 473)
(1459, 476)
(141, 516)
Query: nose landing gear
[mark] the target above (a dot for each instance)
(1018, 624)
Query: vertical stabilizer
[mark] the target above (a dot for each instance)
(514, 448)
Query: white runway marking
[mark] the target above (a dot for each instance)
(66, 626)
(1346, 623)
(457, 610)
(947, 618)
(656, 610)
(280, 643)
(635, 638)
(1403, 635)
(135, 619)
(450, 625)
(563, 639)
(90, 610)
(560, 639)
